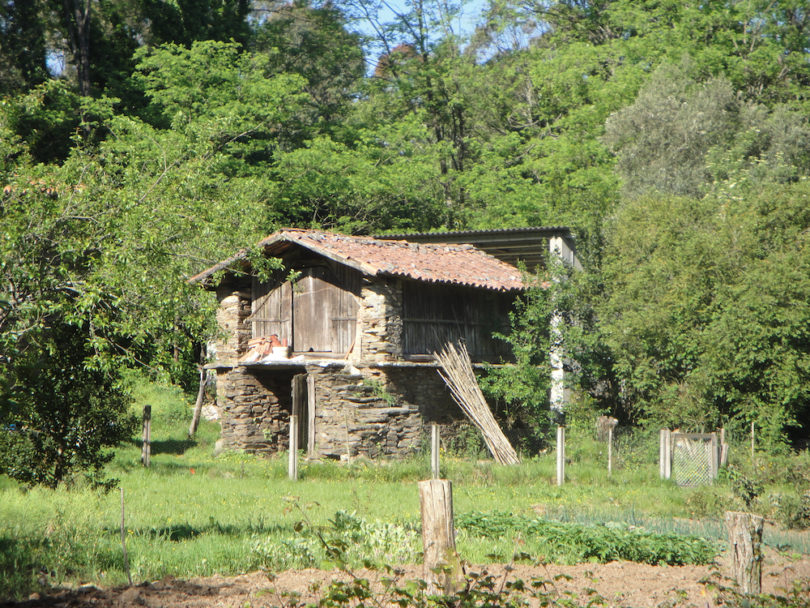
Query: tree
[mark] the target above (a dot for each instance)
(313, 42)
(706, 309)
(96, 250)
(59, 414)
(684, 137)
(22, 46)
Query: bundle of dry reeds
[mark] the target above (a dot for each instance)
(460, 378)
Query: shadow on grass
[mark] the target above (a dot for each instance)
(183, 532)
(168, 446)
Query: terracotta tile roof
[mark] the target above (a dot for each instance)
(430, 262)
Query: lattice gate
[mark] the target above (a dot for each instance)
(691, 459)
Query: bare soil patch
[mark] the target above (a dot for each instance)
(620, 583)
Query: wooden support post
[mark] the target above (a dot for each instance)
(146, 445)
(298, 396)
(610, 451)
(434, 450)
(442, 567)
(714, 456)
(311, 451)
(745, 540)
(560, 455)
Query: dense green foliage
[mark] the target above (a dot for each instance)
(142, 139)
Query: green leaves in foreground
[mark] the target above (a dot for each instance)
(577, 542)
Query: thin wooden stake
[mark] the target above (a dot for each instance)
(195, 418)
(124, 539)
(146, 447)
(610, 451)
(560, 455)
(293, 455)
(434, 450)
(752, 442)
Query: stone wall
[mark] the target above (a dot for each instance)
(232, 317)
(355, 416)
(422, 388)
(379, 321)
(255, 407)
(371, 411)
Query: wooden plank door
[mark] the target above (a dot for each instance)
(344, 318)
(271, 310)
(314, 301)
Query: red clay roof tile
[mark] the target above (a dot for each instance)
(429, 262)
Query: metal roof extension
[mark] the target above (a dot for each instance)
(511, 245)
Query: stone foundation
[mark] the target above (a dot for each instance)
(371, 412)
(355, 416)
(255, 409)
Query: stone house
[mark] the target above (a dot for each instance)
(343, 337)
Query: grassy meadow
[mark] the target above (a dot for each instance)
(191, 514)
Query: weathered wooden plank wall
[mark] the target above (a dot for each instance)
(434, 315)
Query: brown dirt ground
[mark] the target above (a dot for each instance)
(620, 583)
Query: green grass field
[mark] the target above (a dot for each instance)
(192, 514)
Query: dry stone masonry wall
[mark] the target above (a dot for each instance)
(380, 321)
(232, 318)
(255, 409)
(356, 416)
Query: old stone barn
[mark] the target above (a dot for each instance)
(343, 336)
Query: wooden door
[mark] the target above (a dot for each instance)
(317, 313)
(271, 309)
(315, 300)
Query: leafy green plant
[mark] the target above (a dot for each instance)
(792, 512)
(348, 539)
(601, 543)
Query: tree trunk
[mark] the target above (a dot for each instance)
(745, 539)
(76, 15)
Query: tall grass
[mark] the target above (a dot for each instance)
(192, 514)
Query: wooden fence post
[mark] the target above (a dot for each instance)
(752, 442)
(723, 448)
(560, 455)
(745, 539)
(146, 445)
(442, 568)
(714, 457)
(298, 394)
(610, 451)
(434, 450)
(292, 462)
(195, 417)
(665, 454)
